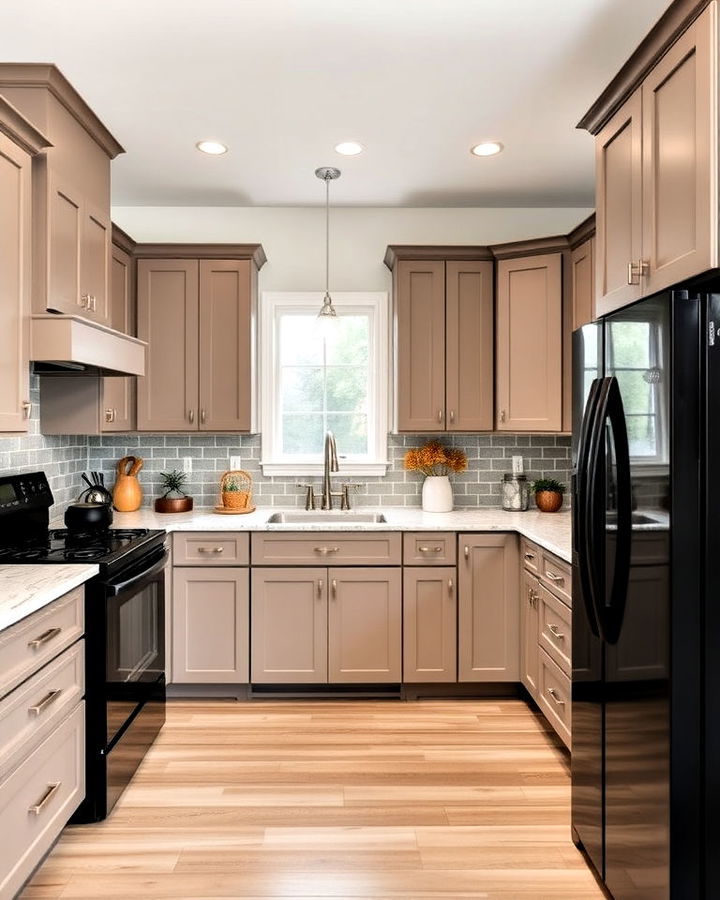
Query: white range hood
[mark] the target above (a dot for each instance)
(66, 344)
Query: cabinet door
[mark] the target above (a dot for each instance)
(15, 212)
(210, 626)
(618, 218)
(680, 160)
(364, 626)
(168, 321)
(227, 351)
(488, 609)
(470, 346)
(119, 393)
(420, 345)
(95, 263)
(430, 624)
(582, 262)
(288, 642)
(529, 344)
(62, 245)
(529, 632)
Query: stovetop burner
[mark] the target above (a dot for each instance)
(61, 545)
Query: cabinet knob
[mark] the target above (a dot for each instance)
(27, 409)
(191, 415)
(450, 585)
(333, 585)
(84, 301)
(319, 588)
(109, 415)
(452, 416)
(440, 416)
(637, 270)
(466, 551)
(92, 305)
(502, 415)
(202, 416)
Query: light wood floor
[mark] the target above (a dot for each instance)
(362, 799)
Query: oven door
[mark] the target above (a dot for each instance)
(135, 639)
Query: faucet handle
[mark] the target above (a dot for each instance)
(347, 487)
(309, 494)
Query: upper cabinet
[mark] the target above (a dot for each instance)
(656, 162)
(19, 141)
(198, 316)
(529, 340)
(443, 320)
(118, 413)
(582, 273)
(71, 193)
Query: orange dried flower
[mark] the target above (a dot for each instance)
(434, 459)
(456, 459)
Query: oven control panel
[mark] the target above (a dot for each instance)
(27, 490)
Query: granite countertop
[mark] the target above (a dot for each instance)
(551, 530)
(26, 589)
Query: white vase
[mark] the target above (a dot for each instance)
(437, 496)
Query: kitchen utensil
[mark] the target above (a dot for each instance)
(88, 516)
(86, 480)
(127, 493)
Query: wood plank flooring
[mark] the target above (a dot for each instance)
(367, 800)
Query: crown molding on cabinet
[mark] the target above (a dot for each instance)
(676, 18)
(14, 124)
(455, 253)
(254, 252)
(533, 247)
(582, 233)
(123, 240)
(50, 78)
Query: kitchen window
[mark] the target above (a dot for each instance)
(318, 377)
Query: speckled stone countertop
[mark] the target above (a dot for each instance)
(26, 589)
(551, 530)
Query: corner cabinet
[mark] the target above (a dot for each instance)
(18, 142)
(529, 343)
(443, 322)
(198, 316)
(656, 172)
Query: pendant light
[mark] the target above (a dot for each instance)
(327, 313)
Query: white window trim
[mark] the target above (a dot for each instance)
(273, 302)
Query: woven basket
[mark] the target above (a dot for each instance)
(242, 497)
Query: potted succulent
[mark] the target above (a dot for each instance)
(174, 500)
(548, 494)
(436, 463)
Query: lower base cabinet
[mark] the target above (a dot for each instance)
(319, 626)
(529, 619)
(429, 624)
(210, 625)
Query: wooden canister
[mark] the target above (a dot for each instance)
(127, 493)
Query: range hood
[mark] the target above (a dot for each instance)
(67, 345)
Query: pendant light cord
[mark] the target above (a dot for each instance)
(327, 236)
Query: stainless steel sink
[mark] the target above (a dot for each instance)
(329, 517)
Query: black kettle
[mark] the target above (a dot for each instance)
(88, 516)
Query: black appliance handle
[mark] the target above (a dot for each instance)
(609, 605)
(115, 588)
(581, 512)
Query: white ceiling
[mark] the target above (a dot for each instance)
(282, 81)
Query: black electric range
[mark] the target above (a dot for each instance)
(124, 630)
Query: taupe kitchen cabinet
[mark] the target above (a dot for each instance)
(199, 319)
(429, 624)
(488, 609)
(19, 141)
(443, 322)
(118, 403)
(529, 654)
(656, 171)
(529, 343)
(71, 193)
(582, 263)
(210, 608)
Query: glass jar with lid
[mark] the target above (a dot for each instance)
(514, 490)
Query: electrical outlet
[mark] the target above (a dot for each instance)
(236, 462)
(187, 463)
(517, 465)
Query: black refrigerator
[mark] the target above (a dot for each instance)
(646, 597)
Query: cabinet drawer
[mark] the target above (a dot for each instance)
(38, 798)
(557, 576)
(211, 548)
(556, 629)
(554, 697)
(331, 547)
(431, 548)
(530, 556)
(35, 640)
(30, 712)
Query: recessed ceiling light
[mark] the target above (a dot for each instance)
(349, 148)
(214, 148)
(487, 148)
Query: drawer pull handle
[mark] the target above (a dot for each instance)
(44, 637)
(326, 550)
(429, 549)
(529, 556)
(38, 807)
(334, 587)
(555, 697)
(553, 629)
(558, 579)
(211, 549)
(46, 701)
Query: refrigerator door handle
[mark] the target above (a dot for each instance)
(595, 518)
(582, 510)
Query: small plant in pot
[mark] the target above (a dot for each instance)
(548, 494)
(174, 500)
